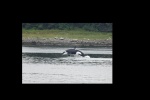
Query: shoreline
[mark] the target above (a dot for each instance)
(64, 42)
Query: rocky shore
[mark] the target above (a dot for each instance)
(65, 42)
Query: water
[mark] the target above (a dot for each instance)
(47, 65)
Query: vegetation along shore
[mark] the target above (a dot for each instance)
(67, 38)
(67, 34)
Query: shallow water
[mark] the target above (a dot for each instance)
(47, 65)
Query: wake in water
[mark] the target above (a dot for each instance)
(77, 56)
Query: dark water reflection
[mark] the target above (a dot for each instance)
(58, 55)
(57, 58)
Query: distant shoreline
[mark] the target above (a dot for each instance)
(64, 42)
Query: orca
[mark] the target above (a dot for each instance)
(73, 52)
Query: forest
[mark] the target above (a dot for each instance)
(97, 27)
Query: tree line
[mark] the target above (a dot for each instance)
(103, 27)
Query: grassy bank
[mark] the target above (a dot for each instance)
(71, 34)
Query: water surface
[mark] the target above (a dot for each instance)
(48, 65)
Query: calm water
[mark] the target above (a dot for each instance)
(47, 65)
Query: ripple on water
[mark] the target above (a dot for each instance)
(69, 60)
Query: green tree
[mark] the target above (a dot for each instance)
(69, 26)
